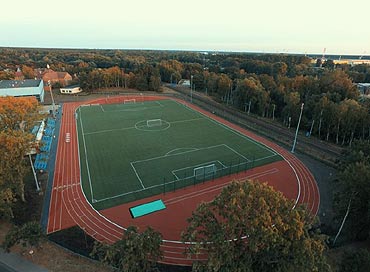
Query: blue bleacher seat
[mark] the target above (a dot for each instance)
(35, 130)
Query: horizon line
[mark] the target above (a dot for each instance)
(278, 52)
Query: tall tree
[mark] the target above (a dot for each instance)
(338, 86)
(135, 252)
(28, 72)
(353, 192)
(18, 113)
(17, 117)
(252, 227)
(250, 90)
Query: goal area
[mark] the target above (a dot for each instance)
(204, 172)
(154, 123)
(129, 101)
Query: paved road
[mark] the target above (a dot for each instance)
(11, 262)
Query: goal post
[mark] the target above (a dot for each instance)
(204, 172)
(154, 123)
(129, 101)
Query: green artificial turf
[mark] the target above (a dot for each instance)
(122, 159)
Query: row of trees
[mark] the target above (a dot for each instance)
(268, 85)
(75, 61)
(333, 109)
(145, 79)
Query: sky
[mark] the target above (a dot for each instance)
(284, 26)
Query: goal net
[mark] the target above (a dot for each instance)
(154, 123)
(204, 172)
(129, 101)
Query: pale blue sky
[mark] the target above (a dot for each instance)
(342, 27)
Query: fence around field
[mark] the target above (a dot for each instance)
(186, 179)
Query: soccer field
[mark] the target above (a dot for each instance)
(130, 151)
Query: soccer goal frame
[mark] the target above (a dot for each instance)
(129, 101)
(154, 123)
(206, 171)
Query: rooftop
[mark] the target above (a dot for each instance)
(27, 83)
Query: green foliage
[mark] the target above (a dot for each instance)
(135, 252)
(17, 117)
(279, 75)
(251, 90)
(30, 234)
(353, 184)
(148, 79)
(355, 260)
(251, 227)
(7, 198)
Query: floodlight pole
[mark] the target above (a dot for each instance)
(34, 174)
(191, 89)
(52, 98)
(296, 132)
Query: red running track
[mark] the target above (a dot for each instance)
(69, 206)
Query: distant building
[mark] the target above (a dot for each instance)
(74, 89)
(364, 89)
(22, 88)
(352, 62)
(184, 82)
(63, 78)
(48, 75)
(19, 75)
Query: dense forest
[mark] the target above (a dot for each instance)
(268, 85)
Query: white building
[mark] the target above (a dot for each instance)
(184, 82)
(71, 89)
(364, 89)
(22, 88)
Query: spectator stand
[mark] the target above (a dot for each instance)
(41, 162)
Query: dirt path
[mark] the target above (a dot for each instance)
(53, 257)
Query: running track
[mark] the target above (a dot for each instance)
(69, 207)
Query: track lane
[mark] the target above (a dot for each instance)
(68, 198)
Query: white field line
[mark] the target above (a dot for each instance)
(159, 103)
(173, 172)
(200, 165)
(286, 154)
(236, 152)
(260, 159)
(83, 191)
(230, 129)
(176, 154)
(136, 107)
(187, 120)
(128, 128)
(108, 130)
(185, 148)
(137, 175)
(87, 162)
(216, 187)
